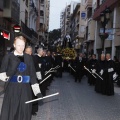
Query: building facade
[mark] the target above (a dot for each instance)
(74, 33)
(27, 15)
(111, 43)
(44, 21)
(9, 15)
(65, 20)
(90, 28)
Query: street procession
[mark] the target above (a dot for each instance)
(59, 60)
(27, 77)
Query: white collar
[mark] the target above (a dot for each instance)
(109, 59)
(15, 53)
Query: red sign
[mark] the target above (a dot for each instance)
(5, 35)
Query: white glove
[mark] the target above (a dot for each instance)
(110, 70)
(68, 65)
(36, 89)
(93, 71)
(115, 76)
(39, 76)
(46, 72)
(39, 65)
(101, 72)
(4, 77)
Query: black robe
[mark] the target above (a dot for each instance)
(100, 84)
(92, 65)
(108, 78)
(79, 69)
(16, 94)
(59, 61)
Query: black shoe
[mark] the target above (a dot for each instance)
(34, 113)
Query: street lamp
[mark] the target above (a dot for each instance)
(105, 17)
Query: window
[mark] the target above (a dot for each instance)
(82, 28)
(42, 1)
(83, 2)
(41, 13)
(6, 3)
(27, 3)
(26, 17)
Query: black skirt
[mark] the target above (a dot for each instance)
(14, 107)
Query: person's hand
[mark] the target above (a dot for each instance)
(115, 76)
(101, 72)
(93, 71)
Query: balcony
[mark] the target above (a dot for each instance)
(42, 1)
(1, 5)
(107, 3)
(41, 19)
(88, 4)
(30, 34)
(26, 30)
(42, 8)
(11, 10)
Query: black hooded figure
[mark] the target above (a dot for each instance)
(67, 42)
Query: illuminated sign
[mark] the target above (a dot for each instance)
(5, 35)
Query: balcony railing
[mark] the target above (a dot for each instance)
(15, 11)
(26, 30)
(1, 5)
(105, 3)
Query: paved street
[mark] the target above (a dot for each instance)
(77, 101)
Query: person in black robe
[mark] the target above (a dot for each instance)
(117, 68)
(40, 69)
(108, 78)
(49, 66)
(92, 67)
(53, 63)
(59, 61)
(46, 65)
(87, 65)
(28, 50)
(79, 67)
(99, 86)
(18, 71)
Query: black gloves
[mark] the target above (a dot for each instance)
(39, 95)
